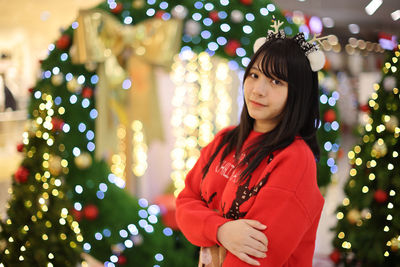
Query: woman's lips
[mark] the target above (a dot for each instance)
(257, 104)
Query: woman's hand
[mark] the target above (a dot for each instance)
(243, 238)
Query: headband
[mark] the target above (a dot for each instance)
(311, 48)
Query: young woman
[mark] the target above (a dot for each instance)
(252, 197)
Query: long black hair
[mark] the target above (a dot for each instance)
(284, 60)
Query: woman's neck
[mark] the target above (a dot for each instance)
(263, 127)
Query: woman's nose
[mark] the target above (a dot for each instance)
(259, 88)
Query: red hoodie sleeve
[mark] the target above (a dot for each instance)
(289, 205)
(195, 219)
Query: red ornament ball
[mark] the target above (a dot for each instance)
(335, 256)
(117, 9)
(214, 16)
(77, 214)
(330, 115)
(246, 2)
(364, 108)
(231, 46)
(340, 153)
(167, 209)
(91, 212)
(64, 42)
(122, 259)
(87, 92)
(57, 124)
(21, 175)
(159, 14)
(20, 147)
(380, 196)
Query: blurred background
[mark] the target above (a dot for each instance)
(134, 89)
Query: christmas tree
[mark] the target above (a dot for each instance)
(367, 233)
(64, 197)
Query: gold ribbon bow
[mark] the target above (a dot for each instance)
(125, 52)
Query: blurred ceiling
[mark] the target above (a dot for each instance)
(40, 20)
(345, 12)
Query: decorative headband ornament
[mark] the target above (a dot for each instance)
(311, 48)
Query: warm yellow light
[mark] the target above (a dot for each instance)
(346, 245)
(79, 238)
(371, 176)
(380, 128)
(373, 163)
(353, 172)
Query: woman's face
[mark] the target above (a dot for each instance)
(265, 98)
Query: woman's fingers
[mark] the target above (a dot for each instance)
(255, 244)
(255, 224)
(244, 238)
(254, 252)
(259, 236)
(244, 257)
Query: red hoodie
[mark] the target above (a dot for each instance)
(282, 194)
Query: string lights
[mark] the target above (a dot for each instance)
(200, 86)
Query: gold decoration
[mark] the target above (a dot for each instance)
(55, 167)
(394, 244)
(366, 214)
(3, 245)
(73, 86)
(117, 248)
(83, 161)
(125, 53)
(138, 4)
(57, 79)
(353, 216)
(379, 149)
(392, 123)
(91, 66)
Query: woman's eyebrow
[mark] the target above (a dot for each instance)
(255, 68)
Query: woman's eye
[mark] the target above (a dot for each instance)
(276, 82)
(253, 75)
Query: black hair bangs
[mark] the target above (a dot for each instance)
(274, 62)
